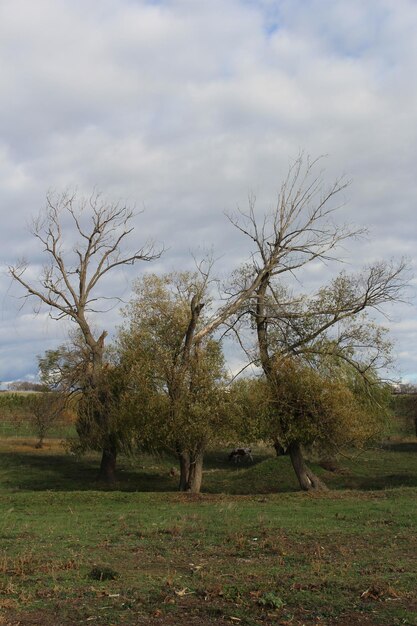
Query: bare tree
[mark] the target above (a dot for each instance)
(298, 231)
(82, 239)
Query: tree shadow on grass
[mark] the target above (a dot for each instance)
(266, 474)
(60, 472)
(36, 472)
(375, 483)
(391, 466)
(405, 446)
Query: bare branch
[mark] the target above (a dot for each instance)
(79, 254)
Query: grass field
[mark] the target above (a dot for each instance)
(250, 550)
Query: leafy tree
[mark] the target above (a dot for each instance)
(82, 239)
(326, 413)
(63, 370)
(176, 386)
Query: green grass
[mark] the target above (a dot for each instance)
(23, 428)
(250, 550)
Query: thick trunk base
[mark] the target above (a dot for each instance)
(107, 473)
(307, 479)
(191, 472)
(184, 460)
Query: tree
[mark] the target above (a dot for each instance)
(328, 325)
(198, 319)
(82, 240)
(63, 371)
(46, 408)
(176, 385)
(322, 414)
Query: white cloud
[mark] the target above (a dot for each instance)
(185, 107)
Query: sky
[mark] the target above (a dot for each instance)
(184, 108)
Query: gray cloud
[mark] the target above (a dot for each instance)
(185, 107)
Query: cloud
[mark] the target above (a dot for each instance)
(185, 107)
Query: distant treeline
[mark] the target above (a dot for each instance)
(24, 385)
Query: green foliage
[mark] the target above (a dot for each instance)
(302, 404)
(250, 409)
(95, 398)
(178, 398)
(99, 415)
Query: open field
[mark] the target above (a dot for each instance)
(250, 550)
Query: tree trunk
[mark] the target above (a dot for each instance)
(191, 471)
(307, 479)
(107, 471)
(196, 473)
(184, 459)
